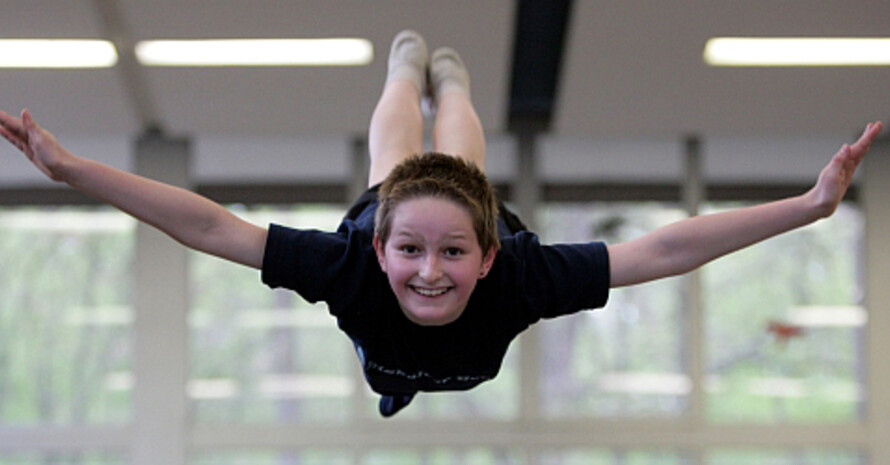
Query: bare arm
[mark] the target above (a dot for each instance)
(688, 244)
(191, 219)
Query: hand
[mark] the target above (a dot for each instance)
(38, 144)
(836, 177)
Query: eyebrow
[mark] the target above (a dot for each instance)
(456, 235)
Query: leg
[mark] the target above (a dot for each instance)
(389, 405)
(396, 130)
(457, 129)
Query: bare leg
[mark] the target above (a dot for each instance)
(396, 130)
(457, 129)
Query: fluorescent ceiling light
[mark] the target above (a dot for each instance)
(256, 52)
(57, 53)
(763, 51)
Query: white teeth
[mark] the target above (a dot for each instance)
(430, 292)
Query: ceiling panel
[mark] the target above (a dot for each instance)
(631, 69)
(70, 100)
(252, 100)
(634, 69)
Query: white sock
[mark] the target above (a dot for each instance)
(448, 73)
(408, 59)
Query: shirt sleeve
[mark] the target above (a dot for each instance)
(309, 262)
(561, 279)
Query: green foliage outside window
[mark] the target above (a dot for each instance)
(65, 316)
(260, 355)
(625, 360)
(768, 359)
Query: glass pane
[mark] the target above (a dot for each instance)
(785, 329)
(271, 457)
(626, 359)
(497, 399)
(786, 457)
(444, 456)
(259, 355)
(65, 316)
(62, 458)
(612, 457)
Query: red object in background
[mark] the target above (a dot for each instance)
(784, 331)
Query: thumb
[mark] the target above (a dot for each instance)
(28, 121)
(33, 131)
(33, 136)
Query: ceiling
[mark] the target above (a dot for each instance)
(626, 69)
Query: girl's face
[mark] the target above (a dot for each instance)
(432, 259)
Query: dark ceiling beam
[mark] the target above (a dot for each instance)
(538, 49)
(131, 73)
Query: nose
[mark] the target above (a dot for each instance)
(430, 270)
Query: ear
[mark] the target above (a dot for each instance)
(488, 262)
(379, 249)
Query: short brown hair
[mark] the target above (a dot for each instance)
(443, 176)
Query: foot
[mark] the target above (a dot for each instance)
(408, 59)
(390, 405)
(448, 73)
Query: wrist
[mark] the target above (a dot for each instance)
(816, 206)
(68, 169)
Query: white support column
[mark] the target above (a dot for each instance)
(358, 184)
(693, 194)
(161, 330)
(876, 201)
(527, 195)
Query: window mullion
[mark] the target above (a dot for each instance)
(527, 196)
(877, 298)
(693, 193)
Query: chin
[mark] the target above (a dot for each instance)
(432, 318)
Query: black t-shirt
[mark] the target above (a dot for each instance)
(527, 282)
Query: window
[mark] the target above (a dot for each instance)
(605, 456)
(261, 457)
(785, 327)
(65, 317)
(809, 456)
(627, 359)
(266, 356)
(443, 456)
(783, 345)
(61, 458)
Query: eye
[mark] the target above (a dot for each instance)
(453, 252)
(409, 249)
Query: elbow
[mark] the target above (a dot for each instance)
(672, 260)
(200, 232)
(209, 231)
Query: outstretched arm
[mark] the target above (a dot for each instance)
(191, 219)
(688, 244)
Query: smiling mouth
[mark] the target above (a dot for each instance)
(430, 292)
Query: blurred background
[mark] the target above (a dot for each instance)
(118, 346)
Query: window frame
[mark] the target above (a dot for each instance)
(690, 433)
